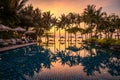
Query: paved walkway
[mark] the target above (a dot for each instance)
(15, 46)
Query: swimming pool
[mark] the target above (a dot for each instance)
(86, 62)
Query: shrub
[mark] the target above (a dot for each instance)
(92, 40)
(106, 41)
(117, 42)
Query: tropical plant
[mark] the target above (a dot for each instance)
(46, 20)
(89, 16)
(9, 10)
(26, 16)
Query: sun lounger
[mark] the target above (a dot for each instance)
(13, 41)
(3, 43)
(25, 40)
(19, 41)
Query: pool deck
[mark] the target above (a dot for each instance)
(3, 49)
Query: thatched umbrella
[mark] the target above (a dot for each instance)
(29, 32)
(20, 31)
(4, 28)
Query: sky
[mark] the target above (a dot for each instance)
(58, 7)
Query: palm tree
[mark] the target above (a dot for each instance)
(62, 24)
(37, 20)
(99, 18)
(89, 16)
(72, 21)
(74, 30)
(118, 27)
(108, 25)
(54, 24)
(113, 22)
(46, 20)
(27, 16)
(9, 11)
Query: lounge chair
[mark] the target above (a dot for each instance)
(13, 41)
(3, 43)
(19, 41)
(25, 40)
(30, 40)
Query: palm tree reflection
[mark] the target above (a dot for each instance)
(20, 64)
(27, 60)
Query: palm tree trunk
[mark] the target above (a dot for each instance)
(75, 39)
(71, 38)
(85, 36)
(105, 35)
(65, 35)
(65, 38)
(118, 33)
(68, 38)
(100, 35)
(59, 34)
(111, 35)
(54, 34)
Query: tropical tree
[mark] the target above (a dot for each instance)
(74, 30)
(37, 20)
(72, 20)
(113, 21)
(54, 24)
(99, 18)
(27, 16)
(46, 20)
(118, 27)
(63, 24)
(89, 16)
(9, 10)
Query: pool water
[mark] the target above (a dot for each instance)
(83, 62)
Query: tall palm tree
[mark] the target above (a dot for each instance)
(62, 24)
(78, 20)
(72, 20)
(74, 30)
(54, 24)
(89, 16)
(27, 16)
(46, 20)
(113, 22)
(99, 18)
(118, 27)
(37, 20)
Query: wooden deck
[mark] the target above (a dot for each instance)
(15, 46)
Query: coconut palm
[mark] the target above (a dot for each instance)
(89, 16)
(62, 23)
(108, 25)
(72, 20)
(37, 23)
(113, 21)
(99, 17)
(27, 16)
(46, 20)
(9, 10)
(78, 20)
(54, 24)
(118, 27)
(74, 30)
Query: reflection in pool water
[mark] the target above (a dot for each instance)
(86, 62)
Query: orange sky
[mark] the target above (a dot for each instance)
(58, 7)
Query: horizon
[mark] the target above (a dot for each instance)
(56, 7)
